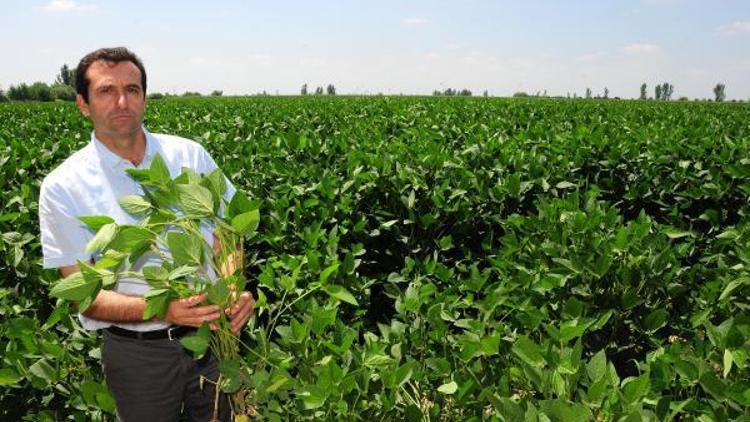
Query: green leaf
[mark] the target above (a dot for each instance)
(157, 303)
(732, 286)
(129, 239)
(142, 176)
(656, 319)
(156, 276)
(246, 223)
(135, 204)
(96, 222)
(448, 388)
(239, 204)
(198, 343)
(159, 171)
(565, 185)
(528, 351)
(326, 274)
(186, 249)
(9, 376)
(102, 238)
(216, 183)
(728, 360)
(403, 374)
(572, 329)
(196, 200)
(673, 233)
(341, 293)
(687, 370)
(597, 366)
(44, 370)
(713, 385)
(636, 388)
(75, 287)
(312, 397)
(180, 272)
(218, 293)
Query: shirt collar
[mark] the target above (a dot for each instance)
(112, 160)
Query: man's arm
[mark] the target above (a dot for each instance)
(117, 307)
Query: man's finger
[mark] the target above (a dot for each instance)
(194, 300)
(204, 310)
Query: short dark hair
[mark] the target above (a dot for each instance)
(115, 55)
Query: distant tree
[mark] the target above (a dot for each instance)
(719, 94)
(319, 90)
(657, 92)
(19, 92)
(644, 95)
(667, 90)
(3, 98)
(303, 90)
(63, 92)
(191, 94)
(588, 92)
(330, 89)
(465, 93)
(436, 93)
(606, 93)
(485, 93)
(217, 93)
(520, 94)
(67, 76)
(683, 98)
(155, 96)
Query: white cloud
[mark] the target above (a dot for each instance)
(641, 48)
(592, 57)
(56, 6)
(736, 27)
(415, 21)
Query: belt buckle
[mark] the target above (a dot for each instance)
(169, 332)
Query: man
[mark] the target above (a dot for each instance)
(151, 376)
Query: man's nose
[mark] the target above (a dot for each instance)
(122, 100)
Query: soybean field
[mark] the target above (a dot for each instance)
(487, 258)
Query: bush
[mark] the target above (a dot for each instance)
(63, 92)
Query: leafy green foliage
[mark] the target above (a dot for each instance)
(507, 259)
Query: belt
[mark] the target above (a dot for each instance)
(172, 333)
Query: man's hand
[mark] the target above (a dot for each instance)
(241, 311)
(187, 312)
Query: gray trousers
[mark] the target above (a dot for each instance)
(158, 380)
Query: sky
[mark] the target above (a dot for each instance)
(392, 47)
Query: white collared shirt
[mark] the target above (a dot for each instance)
(91, 182)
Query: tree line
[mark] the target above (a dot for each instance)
(64, 89)
(330, 90)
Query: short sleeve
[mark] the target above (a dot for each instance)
(63, 236)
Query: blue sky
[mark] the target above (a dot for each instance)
(387, 46)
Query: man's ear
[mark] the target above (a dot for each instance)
(83, 106)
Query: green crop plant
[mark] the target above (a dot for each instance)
(437, 258)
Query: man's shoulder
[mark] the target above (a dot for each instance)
(175, 143)
(70, 170)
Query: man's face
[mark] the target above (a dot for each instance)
(116, 99)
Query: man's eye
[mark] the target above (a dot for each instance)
(134, 90)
